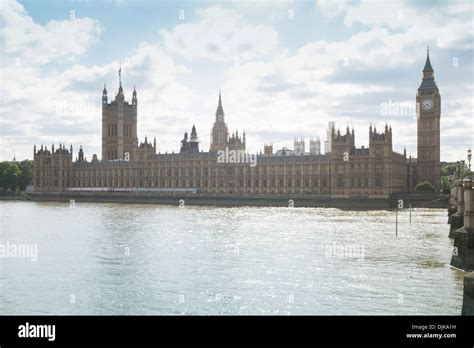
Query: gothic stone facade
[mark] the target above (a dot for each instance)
(375, 171)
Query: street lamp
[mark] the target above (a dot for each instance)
(469, 156)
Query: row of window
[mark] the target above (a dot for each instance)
(196, 183)
(112, 130)
(356, 182)
(272, 183)
(432, 92)
(219, 171)
(255, 183)
(202, 171)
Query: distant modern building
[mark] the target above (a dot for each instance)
(343, 171)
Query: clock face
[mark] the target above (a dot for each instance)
(426, 104)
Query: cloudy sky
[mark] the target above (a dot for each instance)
(285, 69)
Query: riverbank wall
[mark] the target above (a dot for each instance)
(456, 208)
(13, 196)
(463, 253)
(461, 210)
(235, 200)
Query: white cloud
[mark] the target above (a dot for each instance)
(274, 94)
(27, 88)
(448, 25)
(68, 104)
(41, 105)
(347, 80)
(28, 43)
(220, 35)
(332, 8)
(394, 15)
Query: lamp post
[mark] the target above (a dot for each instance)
(469, 156)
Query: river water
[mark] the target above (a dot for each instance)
(146, 259)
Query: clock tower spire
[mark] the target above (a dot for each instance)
(428, 109)
(428, 70)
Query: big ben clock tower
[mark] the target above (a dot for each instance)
(428, 110)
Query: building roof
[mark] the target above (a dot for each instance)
(428, 62)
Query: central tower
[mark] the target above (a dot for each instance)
(219, 132)
(119, 126)
(428, 109)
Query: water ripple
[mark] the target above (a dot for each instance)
(145, 259)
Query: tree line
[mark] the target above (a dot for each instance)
(15, 175)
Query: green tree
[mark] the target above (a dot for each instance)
(448, 169)
(446, 181)
(26, 175)
(425, 186)
(9, 175)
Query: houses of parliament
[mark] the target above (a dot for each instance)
(342, 171)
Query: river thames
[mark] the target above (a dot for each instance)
(145, 259)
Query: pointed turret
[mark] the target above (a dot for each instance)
(220, 110)
(219, 133)
(120, 91)
(193, 141)
(134, 96)
(428, 62)
(428, 76)
(81, 154)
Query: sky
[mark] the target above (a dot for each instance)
(285, 69)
